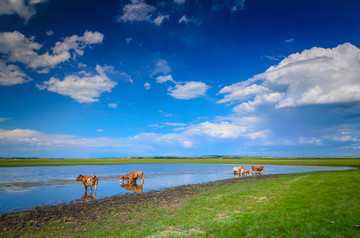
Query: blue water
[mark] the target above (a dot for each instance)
(23, 188)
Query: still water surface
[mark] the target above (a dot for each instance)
(23, 188)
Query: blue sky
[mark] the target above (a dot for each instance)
(178, 77)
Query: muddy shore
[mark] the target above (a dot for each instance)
(88, 210)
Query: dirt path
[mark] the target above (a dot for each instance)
(83, 212)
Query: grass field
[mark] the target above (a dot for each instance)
(318, 204)
(204, 159)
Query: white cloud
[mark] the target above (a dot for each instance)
(164, 79)
(82, 89)
(12, 74)
(189, 90)
(25, 9)
(185, 19)
(220, 130)
(49, 33)
(18, 48)
(310, 140)
(137, 10)
(100, 130)
(4, 119)
(147, 86)
(314, 76)
(160, 19)
(171, 138)
(161, 67)
(289, 40)
(112, 105)
(174, 124)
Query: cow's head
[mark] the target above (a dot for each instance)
(263, 168)
(122, 179)
(79, 177)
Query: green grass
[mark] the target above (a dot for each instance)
(204, 159)
(318, 204)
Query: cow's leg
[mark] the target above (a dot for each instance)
(142, 180)
(96, 185)
(91, 188)
(84, 187)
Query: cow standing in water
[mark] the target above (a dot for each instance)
(245, 172)
(237, 169)
(133, 176)
(258, 169)
(88, 181)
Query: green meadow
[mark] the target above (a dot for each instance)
(351, 161)
(317, 204)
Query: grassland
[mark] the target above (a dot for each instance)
(351, 161)
(318, 204)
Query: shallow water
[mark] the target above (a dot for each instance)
(22, 188)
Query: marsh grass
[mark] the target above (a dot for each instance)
(318, 204)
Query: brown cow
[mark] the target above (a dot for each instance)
(88, 181)
(237, 169)
(133, 176)
(133, 187)
(258, 169)
(245, 172)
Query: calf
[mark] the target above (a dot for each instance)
(133, 176)
(245, 172)
(237, 169)
(88, 181)
(258, 169)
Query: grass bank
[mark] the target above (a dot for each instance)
(318, 204)
(204, 159)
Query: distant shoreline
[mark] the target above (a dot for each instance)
(336, 161)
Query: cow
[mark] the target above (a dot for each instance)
(258, 169)
(88, 181)
(245, 171)
(237, 169)
(133, 176)
(132, 187)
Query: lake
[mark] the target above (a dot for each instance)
(23, 188)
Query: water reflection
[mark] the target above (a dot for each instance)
(86, 197)
(133, 187)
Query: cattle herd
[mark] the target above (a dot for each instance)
(254, 169)
(90, 181)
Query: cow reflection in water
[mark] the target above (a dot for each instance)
(133, 187)
(86, 197)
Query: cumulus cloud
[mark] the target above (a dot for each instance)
(85, 89)
(12, 74)
(164, 79)
(161, 67)
(147, 86)
(25, 9)
(314, 76)
(137, 10)
(158, 20)
(19, 48)
(140, 11)
(188, 90)
(220, 130)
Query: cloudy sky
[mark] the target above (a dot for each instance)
(119, 78)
